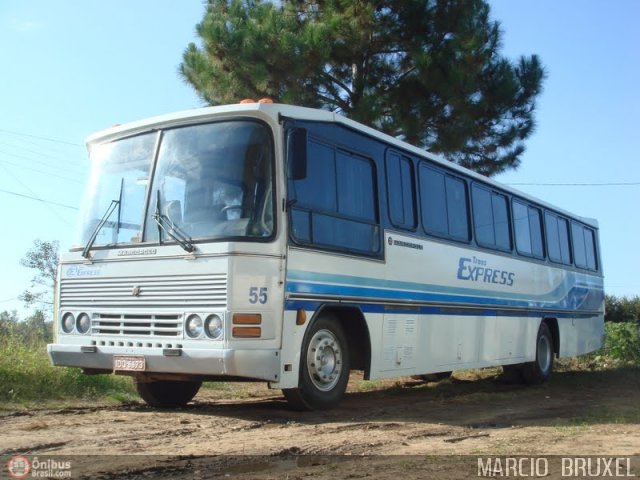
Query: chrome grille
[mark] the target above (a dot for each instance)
(137, 325)
(145, 293)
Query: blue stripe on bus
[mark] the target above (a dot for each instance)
(312, 306)
(575, 293)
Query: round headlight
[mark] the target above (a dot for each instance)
(213, 326)
(68, 321)
(194, 326)
(83, 324)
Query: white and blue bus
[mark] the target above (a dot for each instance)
(289, 245)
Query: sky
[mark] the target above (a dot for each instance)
(75, 67)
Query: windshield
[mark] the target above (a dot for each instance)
(211, 181)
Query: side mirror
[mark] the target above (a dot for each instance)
(297, 153)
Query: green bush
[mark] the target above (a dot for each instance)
(27, 376)
(622, 342)
(622, 309)
(621, 348)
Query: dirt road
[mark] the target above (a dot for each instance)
(577, 413)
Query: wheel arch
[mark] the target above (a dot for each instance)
(355, 327)
(552, 323)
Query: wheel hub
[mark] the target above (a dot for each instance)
(544, 354)
(324, 360)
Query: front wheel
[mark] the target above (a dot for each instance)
(324, 368)
(538, 371)
(167, 393)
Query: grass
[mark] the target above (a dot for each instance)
(606, 414)
(28, 378)
(369, 385)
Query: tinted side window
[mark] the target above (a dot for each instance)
(401, 191)
(528, 229)
(318, 189)
(483, 216)
(579, 252)
(491, 219)
(501, 221)
(553, 237)
(584, 246)
(433, 201)
(590, 245)
(563, 230)
(457, 213)
(444, 204)
(355, 186)
(535, 226)
(335, 205)
(521, 228)
(557, 229)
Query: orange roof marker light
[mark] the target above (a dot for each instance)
(262, 100)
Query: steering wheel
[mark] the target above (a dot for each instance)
(231, 207)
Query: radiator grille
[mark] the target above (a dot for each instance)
(137, 325)
(145, 293)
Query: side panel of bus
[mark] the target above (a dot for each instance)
(430, 304)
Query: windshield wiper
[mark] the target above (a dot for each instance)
(165, 224)
(105, 217)
(94, 235)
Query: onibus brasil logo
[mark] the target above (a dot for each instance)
(20, 466)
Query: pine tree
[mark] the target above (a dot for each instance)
(429, 72)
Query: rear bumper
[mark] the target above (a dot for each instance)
(254, 364)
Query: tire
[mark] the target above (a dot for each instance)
(324, 367)
(538, 371)
(167, 393)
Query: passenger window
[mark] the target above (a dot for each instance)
(433, 201)
(528, 229)
(401, 191)
(590, 245)
(491, 219)
(584, 247)
(443, 204)
(335, 205)
(557, 238)
(579, 252)
(457, 214)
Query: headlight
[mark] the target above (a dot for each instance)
(194, 326)
(213, 326)
(67, 323)
(83, 323)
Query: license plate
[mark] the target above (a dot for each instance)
(129, 363)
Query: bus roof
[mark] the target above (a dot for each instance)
(275, 110)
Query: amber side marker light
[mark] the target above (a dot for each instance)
(247, 319)
(301, 316)
(246, 332)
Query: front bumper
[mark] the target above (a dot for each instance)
(253, 364)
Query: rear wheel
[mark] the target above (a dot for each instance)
(538, 371)
(324, 368)
(167, 393)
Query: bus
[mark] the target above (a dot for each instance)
(288, 245)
